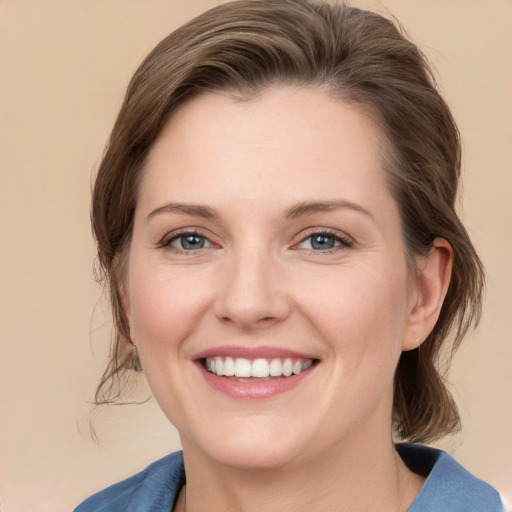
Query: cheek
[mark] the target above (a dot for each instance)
(165, 305)
(358, 310)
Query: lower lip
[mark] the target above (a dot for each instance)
(253, 390)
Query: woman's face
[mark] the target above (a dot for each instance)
(266, 243)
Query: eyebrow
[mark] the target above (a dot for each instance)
(299, 210)
(310, 207)
(187, 209)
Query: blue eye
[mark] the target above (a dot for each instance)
(324, 242)
(189, 242)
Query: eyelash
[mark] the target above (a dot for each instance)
(166, 242)
(344, 241)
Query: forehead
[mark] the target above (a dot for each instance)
(287, 141)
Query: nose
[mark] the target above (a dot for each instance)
(252, 294)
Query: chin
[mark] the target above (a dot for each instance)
(255, 457)
(254, 448)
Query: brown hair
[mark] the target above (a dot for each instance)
(357, 56)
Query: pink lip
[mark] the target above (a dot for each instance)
(252, 390)
(265, 352)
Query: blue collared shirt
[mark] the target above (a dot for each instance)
(448, 488)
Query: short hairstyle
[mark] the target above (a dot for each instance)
(358, 57)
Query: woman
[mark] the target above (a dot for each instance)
(275, 216)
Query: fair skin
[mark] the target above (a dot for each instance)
(264, 229)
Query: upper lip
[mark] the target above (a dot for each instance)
(249, 352)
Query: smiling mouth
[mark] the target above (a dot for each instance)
(242, 369)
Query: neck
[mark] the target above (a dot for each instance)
(345, 480)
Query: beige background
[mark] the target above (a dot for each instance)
(64, 66)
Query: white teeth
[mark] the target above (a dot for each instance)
(229, 367)
(242, 367)
(257, 368)
(287, 367)
(307, 364)
(275, 368)
(219, 366)
(260, 368)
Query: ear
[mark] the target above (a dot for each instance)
(429, 288)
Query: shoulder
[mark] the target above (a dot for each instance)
(155, 488)
(448, 486)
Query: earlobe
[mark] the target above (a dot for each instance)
(431, 284)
